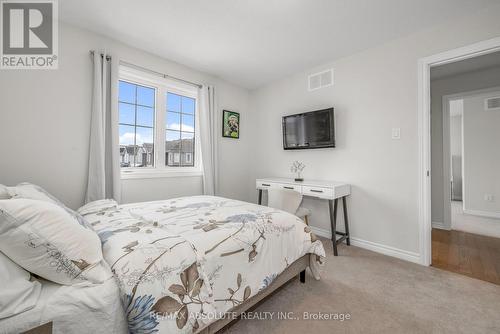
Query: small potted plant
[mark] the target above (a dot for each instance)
(298, 167)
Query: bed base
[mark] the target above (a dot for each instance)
(296, 268)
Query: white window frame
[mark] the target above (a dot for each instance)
(162, 86)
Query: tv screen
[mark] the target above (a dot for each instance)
(313, 129)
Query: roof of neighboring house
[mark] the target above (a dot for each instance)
(148, 147)
(132, 149)
(175, 145)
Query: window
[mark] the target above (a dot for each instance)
(180, 132)
(136, 107)
(156, 115)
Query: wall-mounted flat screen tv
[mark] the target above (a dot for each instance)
(315, 129)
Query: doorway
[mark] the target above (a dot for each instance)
(465, 166)
(424, 133)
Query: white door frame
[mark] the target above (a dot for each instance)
(424, 133)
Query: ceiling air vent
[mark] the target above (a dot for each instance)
(492, 103)
(320, 80)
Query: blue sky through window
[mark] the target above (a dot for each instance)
(173, 120)
(127, 113)
(145, 116)
(126, 92)
(145, 96)
(187, 123)
(187, 105)
(173, 102)
(172, 135)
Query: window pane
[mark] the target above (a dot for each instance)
(144, 136)
(188, 160)
(127, 147)
(173, 102)
(173, 135)
(126, 92)
(172, 148)
(188, 135)
(136, 118)
(145, 116)
(127, 135)
(173, 120)
(187, 123)
(145, 147)
(145, 96)
(187, 141)
(187, 105)
(187, 149)
(127, 113)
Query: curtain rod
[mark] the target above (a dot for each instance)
(152, 71)
(107, 57)
(166, 76)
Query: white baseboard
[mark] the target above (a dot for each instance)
(321, 232)
(441, 226)
(487, 214)
(375, 247)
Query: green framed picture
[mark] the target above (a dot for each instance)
(230, 124)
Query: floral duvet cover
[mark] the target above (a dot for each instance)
(181, 263)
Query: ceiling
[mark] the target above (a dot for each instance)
(473, 64)
(253, 42)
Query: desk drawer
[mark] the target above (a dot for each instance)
(317, 192)
(293, 187)
(267, 185)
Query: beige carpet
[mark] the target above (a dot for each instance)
(382, 295)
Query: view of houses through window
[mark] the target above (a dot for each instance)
(138, 126)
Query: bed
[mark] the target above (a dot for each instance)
(181, 265)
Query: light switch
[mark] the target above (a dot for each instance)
(396, 133)
(489, 198)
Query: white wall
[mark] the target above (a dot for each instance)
(456, 135)
(374, 91)
(462, 83)
(45, 124)
(481, 156)
(474, 224)
(456, 112)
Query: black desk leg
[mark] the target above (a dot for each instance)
(260, 196)
(346, 221)
(302, 276)
(333, 221)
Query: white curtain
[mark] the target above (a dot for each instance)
(208, 133)
(104, 159)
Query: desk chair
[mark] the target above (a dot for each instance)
(289, 201)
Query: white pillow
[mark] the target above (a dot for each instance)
(17, 293)
(42, 238)
(4, 192)
(32, 191)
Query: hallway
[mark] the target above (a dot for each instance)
(466, 253)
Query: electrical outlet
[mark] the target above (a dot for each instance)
(489, 198)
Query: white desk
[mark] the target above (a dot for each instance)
(328, 190)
